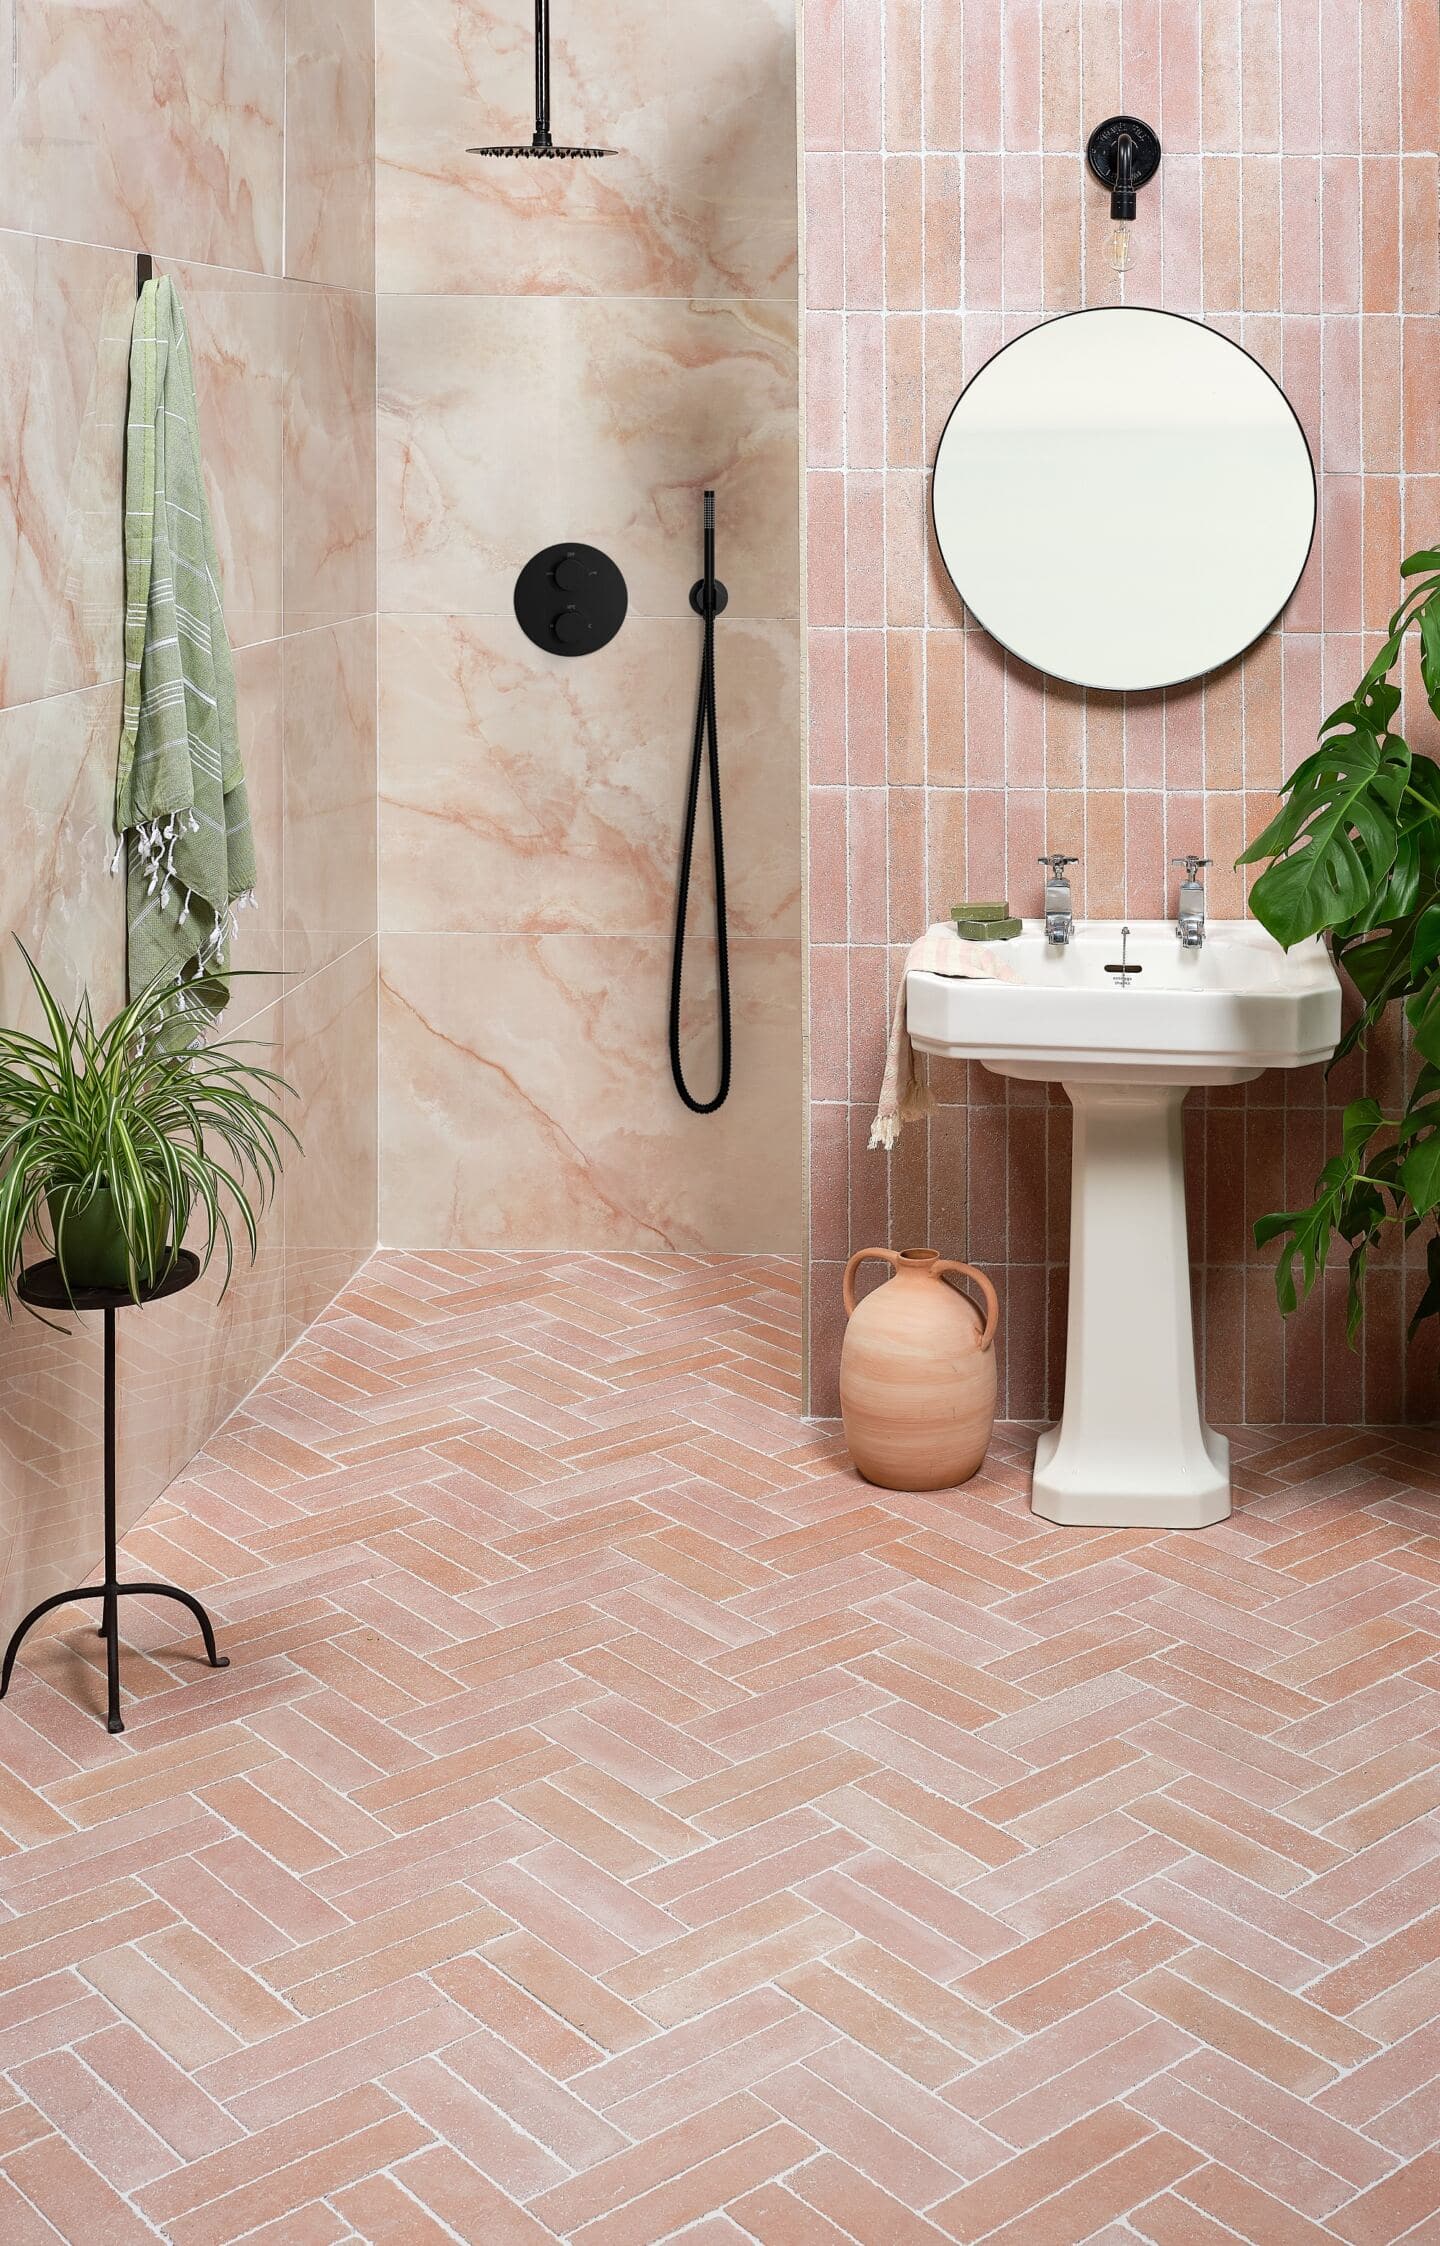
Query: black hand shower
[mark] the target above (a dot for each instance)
(541, 144)
(707, 598)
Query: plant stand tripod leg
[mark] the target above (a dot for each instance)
(22, 1629)
(110, 1624)
(187, 1599)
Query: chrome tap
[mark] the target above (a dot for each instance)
(1059, 904)
(1190, 909)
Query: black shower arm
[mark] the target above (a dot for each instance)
(542, 73)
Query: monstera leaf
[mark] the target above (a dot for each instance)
(1354, 854)
(1333, 842)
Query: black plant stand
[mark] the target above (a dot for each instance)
(43, 1287)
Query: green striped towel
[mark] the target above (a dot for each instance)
(180, 806)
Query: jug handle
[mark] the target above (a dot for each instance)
(992, 1300)
(863, 1255)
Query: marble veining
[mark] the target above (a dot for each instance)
(328, 538)
(64, 333)
(237, 324)
(632, 407)
(526, 1099)
(329, 781)
(330, 142)
(523, 792)
(698, 104)
(155, 126)
(331, 1204)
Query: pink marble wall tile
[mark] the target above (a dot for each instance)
(525, 1098)
(699, 108)
(331, 1057)
(238, 336)
(56, 890)
(328, 731)
(328, 475)
(258, 941)
(633, 406)
(520, 792)
(330, 142)
(203, 175)
(65, 315)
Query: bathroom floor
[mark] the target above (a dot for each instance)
(619, 1823)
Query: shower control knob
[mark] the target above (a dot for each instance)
(570, 599)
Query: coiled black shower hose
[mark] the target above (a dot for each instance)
(709, 598)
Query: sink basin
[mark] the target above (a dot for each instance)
(1219, 1015)
(1131, 1449)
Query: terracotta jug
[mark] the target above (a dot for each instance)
(917, 1373)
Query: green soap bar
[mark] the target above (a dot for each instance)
(987, 931)
(980, 912)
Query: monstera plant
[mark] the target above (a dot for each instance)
(1354, 854)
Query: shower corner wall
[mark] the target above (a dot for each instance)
(270, 240)
(576, 351)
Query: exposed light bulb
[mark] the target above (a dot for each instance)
(1120, 246)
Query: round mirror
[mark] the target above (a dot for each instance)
(1124, 498)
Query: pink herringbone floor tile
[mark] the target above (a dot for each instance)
(618, 1822)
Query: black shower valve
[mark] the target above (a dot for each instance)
(570, 599)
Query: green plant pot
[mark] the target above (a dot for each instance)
(91, 1243)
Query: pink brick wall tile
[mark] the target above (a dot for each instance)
(1297, 211)
(905, 708)
(864, 73)
(1022, 244)
(824, 74)
(865, 698)
(1420, 80)
(1380, 234)
(827, 708)
(904, 75)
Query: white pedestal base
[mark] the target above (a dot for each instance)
(1131, 1450)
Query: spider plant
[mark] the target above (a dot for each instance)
(113, 1138)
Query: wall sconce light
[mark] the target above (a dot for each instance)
(1122, 154)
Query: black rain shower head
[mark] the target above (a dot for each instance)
(542, 144)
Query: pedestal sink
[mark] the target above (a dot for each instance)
(1131, 1449)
